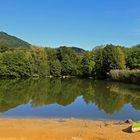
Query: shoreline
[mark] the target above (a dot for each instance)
(66, 118)
(55, 118)
(64, 129)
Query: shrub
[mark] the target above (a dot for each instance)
(129, 76)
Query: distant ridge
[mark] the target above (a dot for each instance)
(78, 50)
(12, 41)
(75, 49)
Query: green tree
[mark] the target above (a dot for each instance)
(41, 65)
(87, 64)
(3, 48)
(113, 58)
(67, 66)
(70, 60)
(98, 58)
(51, 53)
(133, 58)
(16, 63)
(107, 58)
(55, 68)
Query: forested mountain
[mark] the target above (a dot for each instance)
(7, 40)
(19, 61)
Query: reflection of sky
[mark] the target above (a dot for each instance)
(76, 109)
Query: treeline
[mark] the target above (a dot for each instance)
(37, 61)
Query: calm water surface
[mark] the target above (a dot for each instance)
(69, 98)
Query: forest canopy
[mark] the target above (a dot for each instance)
(34, 61)
(64, 61)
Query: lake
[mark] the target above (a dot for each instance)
(62, 98)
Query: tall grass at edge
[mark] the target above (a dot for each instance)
(127, 76)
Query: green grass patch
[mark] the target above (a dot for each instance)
(136, 124)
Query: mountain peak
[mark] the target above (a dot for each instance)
(12, 41)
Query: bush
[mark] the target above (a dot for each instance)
(128, 76)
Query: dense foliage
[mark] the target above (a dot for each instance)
(108, 58)
(23, 61)
(65, 61)
(133, 58)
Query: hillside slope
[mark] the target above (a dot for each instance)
(12, 41)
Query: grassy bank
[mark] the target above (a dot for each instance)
(127, 76)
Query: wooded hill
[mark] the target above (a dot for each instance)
(20, 59)
(12, 41)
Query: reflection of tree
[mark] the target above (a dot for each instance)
(57, 91)
(136, 103)
(108, 96)
(13, 93)
(111, 96)
(107, 99)
(88, 90)
(40, 92)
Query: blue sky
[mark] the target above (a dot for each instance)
(81, 23)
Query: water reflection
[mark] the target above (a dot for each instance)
(107, 96)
